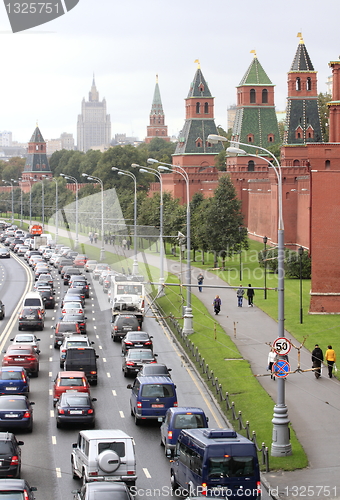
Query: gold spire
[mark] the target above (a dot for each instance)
(198, 63)
(156, 78)
(254, 52)
(299, 35)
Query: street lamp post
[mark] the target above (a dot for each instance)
(239, 232)
(130, 174)
(56, 209)
(281, 445)
(99, 181)
(161, 250)
(34, 180)
(265, 239)
(11, 183)
(188, 317)
(300, 251)
(73, 179)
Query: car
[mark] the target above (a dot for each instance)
(67, 381)
(73, 341)
(134, 359)
(14, 380)
(41, 285)
(30, 253)
(64, 328)
(103, 489)
(47, 277)
(47, 295)
(177, 419)
(68, 272)
(40, 270)
(31, 318)
(81, 285)
(2, 310)
(71, 254)
(77, 294)
(10, 456)
(98, 270)
(75, 408)
(107, 281)
(154, 370)
(103, 275)
(27, 339)
(72, 307)
(79, 318)
(16, 412)
(121, 324)
(90, 265)
(104, 455)
(22, 250)
(80, 260)
(22, 355)
(5, 253)
(82, 359)
(63, 264)
(16, 489)
(135, 340)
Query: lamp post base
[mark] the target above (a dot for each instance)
(135, 267)
(187, 325)
(281, 447)
(160, 288)
(102, 254)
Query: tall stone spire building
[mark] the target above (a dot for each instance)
(157, 127)
(94, 125)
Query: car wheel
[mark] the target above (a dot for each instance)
(173, 482)
(137, 421)
(74, 475)
(61, 365)
(30, 428)
(19, 328)
(114, 338)
(58, 424)
(131, 411)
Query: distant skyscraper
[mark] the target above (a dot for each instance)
(94, 125)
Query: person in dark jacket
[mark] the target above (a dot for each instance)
(250, 296)
(217, 304)
(317, 359)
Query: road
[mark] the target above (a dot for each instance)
(46, 452)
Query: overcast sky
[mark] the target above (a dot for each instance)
(46, 71)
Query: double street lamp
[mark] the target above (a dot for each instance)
(130, 174)
(73, 179)
(280, 445)
(300, 252)
(99, 181)
(11, 183)
(265, 239)
(188, 317)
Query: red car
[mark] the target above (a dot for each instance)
(68, 381)
(80, 260)
(22, 355)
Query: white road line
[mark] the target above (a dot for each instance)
(100, 347)
(108, 375)
(104, 360)
(97, 336)
(50, 360)
(50, 392)
(51, 413)
(147, 473)
(58, 471)
(114, 392)
(121, 413)
(51, 346)
(50, 374)
(54, 440)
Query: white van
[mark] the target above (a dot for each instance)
(34, 301)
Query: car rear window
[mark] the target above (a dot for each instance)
(188, 421)
(118, 447)
(81, 354)
(134, 354)
(67, 327)
(16, 352)
(127, 321)
(6, 448)
(13, 404)
(158, 391)
(66, 382)
(11, 495)
(138, 336)
(76, 343)
(33, 302)
(10, 375)
(76, 400)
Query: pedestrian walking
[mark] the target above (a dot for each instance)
(272, 358)
(330, 357)
(250, 296)
(317, 359)
(124, 242)
(90, 237)
(217, 304)
(95, 237)
(200, 279)
(240, 293)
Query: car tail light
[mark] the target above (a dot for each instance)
(148, 343)
(139, 405)
(258, 487)
(93, 373)
(175, 403)
(153, 362)
(27, 414)
(15, 460)
(169, 434)
(61, 411)
(90, 411)
(63, 350)
(131, 472)
(7, 358)
(84, 382)
(95, 473)
(30, 358)
(116, 328)
(130, 363)
(204, 489)
(26, 497)
(128, 343)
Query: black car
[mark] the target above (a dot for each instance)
(83, 359)
(16, 489)
(75, 408)
(136, 340)
(154, 369)
(5, 253)
(121, 324)
(2, 310)
(31, 318)
(16, 412)
(81, 284)
(48, 297)
(68, 272)
(76, 318)
(10, 455)
(77, 295)
(103, 489)
(135, 358)
(63, 263)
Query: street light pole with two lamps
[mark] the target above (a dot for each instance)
(281, 445)
(99, 181)
(73, 179)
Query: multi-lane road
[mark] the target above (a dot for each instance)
(46, 452)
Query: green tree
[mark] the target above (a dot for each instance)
(159, 149)
(224, 221)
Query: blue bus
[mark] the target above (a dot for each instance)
(215, 463)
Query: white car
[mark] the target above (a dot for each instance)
(72, 308)
(27, 339)
(73, 341)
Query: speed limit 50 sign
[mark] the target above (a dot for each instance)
(282, 346)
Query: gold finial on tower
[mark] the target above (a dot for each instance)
(156, 78)
(198, 63)
(253, 52)
(299, 35)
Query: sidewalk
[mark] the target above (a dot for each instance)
(313, 405)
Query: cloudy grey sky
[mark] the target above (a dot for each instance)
(46, 71)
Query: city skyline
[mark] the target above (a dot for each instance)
(49, 69)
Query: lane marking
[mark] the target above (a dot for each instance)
(108, 375)
(54, 440)
(147, 473)
(104, 360)
(114, 392)
(58, 471)
(51, 413)
(50, 374)
(121, 413)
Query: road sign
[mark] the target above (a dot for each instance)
(282, 346)
(281, 368)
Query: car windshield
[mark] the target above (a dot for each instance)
(13, 404)
(24, 338)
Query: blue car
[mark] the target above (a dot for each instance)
(177, 419)
(16, 412)
(14, 380)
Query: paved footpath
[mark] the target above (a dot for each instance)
(313, 405)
